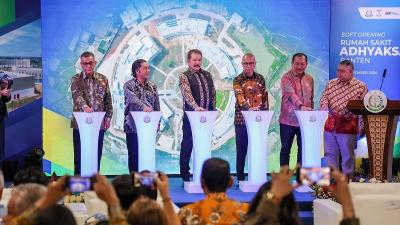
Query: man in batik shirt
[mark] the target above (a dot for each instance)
(297, 94)
(140, 95)
(198, 93)
(216, 207)
(251, 94)
(341, 126)
(90, 93)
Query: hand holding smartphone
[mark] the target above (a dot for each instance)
(314, 175)
(79, 184)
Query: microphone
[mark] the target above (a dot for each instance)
(383, 77)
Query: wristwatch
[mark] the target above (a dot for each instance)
(270, 196)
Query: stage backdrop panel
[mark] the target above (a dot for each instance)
(162, 32)
(367, 33)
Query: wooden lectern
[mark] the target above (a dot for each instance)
(380, 129)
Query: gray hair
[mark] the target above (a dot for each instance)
(248, 54)
(26, 195)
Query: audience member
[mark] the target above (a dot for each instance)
(55, 214)
(288, 210)
(146, 211)
(216, 208)
(267, 211)
(126, 192)
(23, 197)
(31, 175)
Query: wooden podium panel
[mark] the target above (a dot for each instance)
(380, 129)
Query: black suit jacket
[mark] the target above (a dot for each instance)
(3, 107)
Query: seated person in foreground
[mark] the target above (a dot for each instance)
(106, 192)
(269, 208)
(216, 208)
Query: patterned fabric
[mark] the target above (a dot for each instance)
(249, 92)
(204, 91)
(335, 98)
(216, 208)
(296, 91)
(138, 96)
(91, 91)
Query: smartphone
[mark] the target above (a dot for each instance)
(79, 184)
(148, 178)
(314, 175)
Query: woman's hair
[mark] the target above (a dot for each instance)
(126, 191)
(136, 65)
(55, 214)
(145, 211)
(288, 214)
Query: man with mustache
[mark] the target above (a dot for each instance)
(198, 93)
(297, 94)
(342, 126)
(140, 95)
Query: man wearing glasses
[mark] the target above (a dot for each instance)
(297, 94)
(251, 94)
(90, 93)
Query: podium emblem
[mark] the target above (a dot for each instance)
(203, 119)
(89, 120)
(147, 119)
(313, 118)
(258, 118)
(375, 101)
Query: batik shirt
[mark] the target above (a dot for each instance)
(249, 92)
(335, 98)
(92, 91)
(297, 91)
(206, 92)
(137, 96)
(216, 208)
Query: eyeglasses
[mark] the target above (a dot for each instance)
(91, 63)
(248, 63)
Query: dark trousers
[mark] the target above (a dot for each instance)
(77, 150)
(241, 150)
(186, 149)
(287, 134)
(2, 138)
(133, 148)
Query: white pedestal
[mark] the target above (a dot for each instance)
(202, 125)
(146, 125)
(311, 126)
(89, 125)
(257, 123)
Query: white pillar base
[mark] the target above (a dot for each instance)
(247, 186)
(191, 187)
